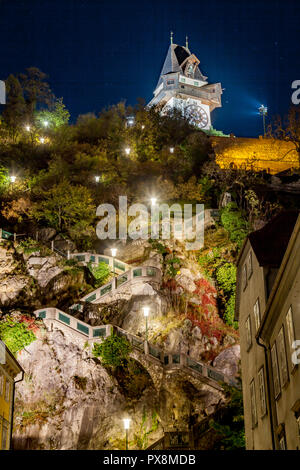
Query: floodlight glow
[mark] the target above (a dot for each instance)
(153, 201)
(146, 311)
(127, 150)
(126, 422)
(13, 179)
(143, 127)
(27, 128)
(97, 179)
(42, 140)
(46, 123)
(263, 110)
(113, 252)
(171, 149)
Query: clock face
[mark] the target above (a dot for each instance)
(196, 115)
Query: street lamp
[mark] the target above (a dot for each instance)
(27, 128)
(146, 314)
(127, 150)
(46, 123)
(12, 179)
(113, 254)
(97, 179)
(143, 127)
(153, 201)
(263, 111)
(126, 422)
(171, 149)
(42, 140)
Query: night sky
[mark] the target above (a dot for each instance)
(99, 52)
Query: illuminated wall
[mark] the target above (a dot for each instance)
(259, 154)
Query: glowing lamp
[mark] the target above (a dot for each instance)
(12, 179)
(126, 422)
(146, 311)
(127, 150)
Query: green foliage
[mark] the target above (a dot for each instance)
(65, 206)
(55, 118)
(173, 265)
(231, 427)
(141, 438)
(159, 247)
(101, 272)
(226, 277)
(234, 222)
(15, 335)
(114, 351)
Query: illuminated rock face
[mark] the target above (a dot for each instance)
(259, 154)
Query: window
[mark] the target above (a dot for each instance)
(7, 390)
(262, 391)
(253, 404)
(244, 276)
(290, 327)
(282, 357)
(170, 82)
(250, 266)
(256, 311)
(275, 371)
(248, 333)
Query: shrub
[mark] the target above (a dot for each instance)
(15, 335)
(233, 221)
(100, 272)
(113, 351)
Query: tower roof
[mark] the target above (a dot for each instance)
(175, 61)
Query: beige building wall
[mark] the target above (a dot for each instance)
(287, 296)
(258, 436)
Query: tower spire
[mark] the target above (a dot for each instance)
(171, 37)
(186, 42)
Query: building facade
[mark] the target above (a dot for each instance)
(9, 370)
(268, 311)
(183, 87)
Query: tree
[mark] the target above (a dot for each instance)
(57, 117)
(287, 129)
(15, 109)
(113, 351)
(36, 90)
(66, 207)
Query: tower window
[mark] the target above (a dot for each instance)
(170, 82)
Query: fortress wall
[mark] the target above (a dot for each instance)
(259, 154)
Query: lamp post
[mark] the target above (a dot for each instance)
(126, 422)
(263, 111)
(113, 254)
(146, 314)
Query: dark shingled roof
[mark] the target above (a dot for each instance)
(270, 242)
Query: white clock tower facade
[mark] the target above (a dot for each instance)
(182, 86)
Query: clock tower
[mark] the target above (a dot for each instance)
(182, 86)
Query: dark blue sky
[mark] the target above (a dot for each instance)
(98, 52)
